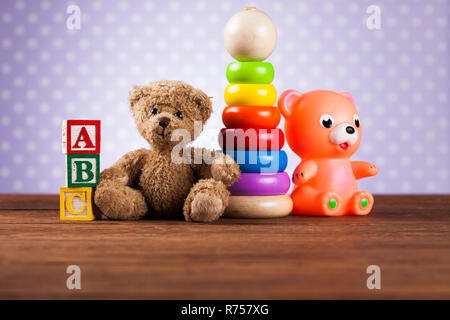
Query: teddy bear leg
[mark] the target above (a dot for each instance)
(120, 202)
(206, 201)
(361, 203)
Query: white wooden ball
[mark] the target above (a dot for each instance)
(250, 35)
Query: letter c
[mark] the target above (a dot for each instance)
(69, 199)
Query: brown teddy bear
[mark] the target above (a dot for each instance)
(149, 182)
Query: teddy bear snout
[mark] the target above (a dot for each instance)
(164, 122)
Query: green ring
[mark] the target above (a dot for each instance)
(250, 72)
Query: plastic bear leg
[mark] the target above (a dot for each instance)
(361, 203)
(309, 201)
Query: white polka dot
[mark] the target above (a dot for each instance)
(17, 159)
(4, 172)
(6, 17)
(43, 185)
(30, 172)
(17, 185)
(18, 133)
(418, 173)
(406, 186)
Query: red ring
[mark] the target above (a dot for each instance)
(251, 117)
(246, 139)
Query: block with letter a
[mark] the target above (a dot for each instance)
(76, 204)
(81, 136)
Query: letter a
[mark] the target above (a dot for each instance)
(84, 137)
(374, 281)
(74, 281)
(73, 21)
(374, 20)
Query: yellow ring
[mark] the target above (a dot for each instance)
(250, 94)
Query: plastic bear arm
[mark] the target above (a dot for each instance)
(304, 171)
(362, 169)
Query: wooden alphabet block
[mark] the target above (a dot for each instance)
(83, 170)
(81, 136)
(76, 204)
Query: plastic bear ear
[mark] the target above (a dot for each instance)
(287, 100)
(348, 96)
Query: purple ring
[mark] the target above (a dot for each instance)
(261, 184)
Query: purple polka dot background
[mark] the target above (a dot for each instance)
(398, 75)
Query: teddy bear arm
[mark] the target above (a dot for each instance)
(215, 165)
(200, 164)
(362, 169)
(115, 195)
(126, 171)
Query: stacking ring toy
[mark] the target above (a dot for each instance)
(250, 72)
(259, 161)
(251, 94)
(251, 139)
(261, 184)
(251, 117)
(257, 207)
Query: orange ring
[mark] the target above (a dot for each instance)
(251, 117)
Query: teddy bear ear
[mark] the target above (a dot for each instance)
(287, 100)
(135, 94)
(348, 96)
(204, 104)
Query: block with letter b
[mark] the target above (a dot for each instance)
(83, 170)
(76, 204)
(81, 136)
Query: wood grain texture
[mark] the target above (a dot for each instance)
(286, 258)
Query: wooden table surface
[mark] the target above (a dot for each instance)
(288, 258)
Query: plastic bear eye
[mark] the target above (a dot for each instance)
(356, 119)
(326, 121)
(154, 111)
(179, 115)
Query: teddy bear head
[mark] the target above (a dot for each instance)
(161, 108)
(321, 124)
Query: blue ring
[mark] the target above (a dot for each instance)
(261, 161)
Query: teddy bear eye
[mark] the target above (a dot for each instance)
(356, 119)
(154, 111)
(326, 121)
(179, 115)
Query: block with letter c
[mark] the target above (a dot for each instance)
(76, 204)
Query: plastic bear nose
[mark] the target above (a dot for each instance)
(350, 130)
(164, 122)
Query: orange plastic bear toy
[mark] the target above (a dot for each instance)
(324, 129)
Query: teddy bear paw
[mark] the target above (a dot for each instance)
(206, 208)
(225, 169)
(362, 203)
(330, 203)
(120, 203)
